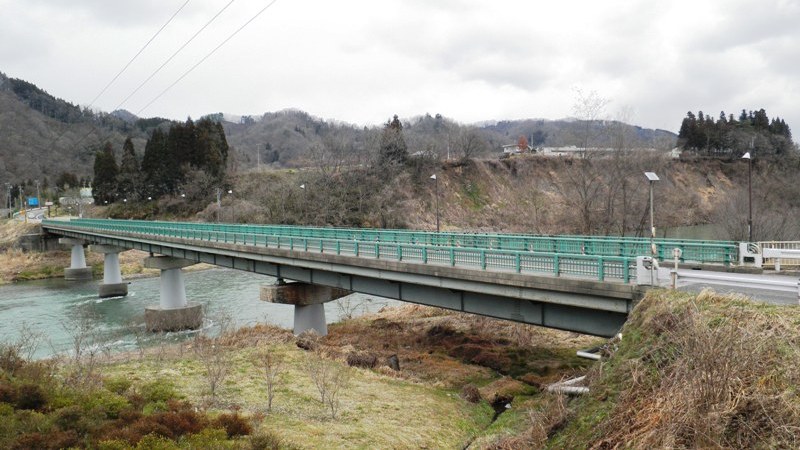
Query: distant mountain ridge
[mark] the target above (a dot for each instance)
(42, 136)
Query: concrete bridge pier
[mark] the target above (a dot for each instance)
(112, 285)
(308, 300)
(77, 270)
(173, 312)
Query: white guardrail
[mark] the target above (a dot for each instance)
(790, 285)
(770, 253)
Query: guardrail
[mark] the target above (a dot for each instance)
(706, 252)
(780, 254)
(740, 281)
(601, 268)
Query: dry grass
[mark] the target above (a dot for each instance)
(416, 407)
(705, 371)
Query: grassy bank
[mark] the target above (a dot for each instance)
(454, 372)
(692, 371)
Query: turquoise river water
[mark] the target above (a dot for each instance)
(54, 309)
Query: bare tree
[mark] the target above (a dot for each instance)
(271, 365)
(588, 109)
(330, 378)
(470, 143)
(213, 355)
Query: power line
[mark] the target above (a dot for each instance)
(174, 54)
(138, 53)
(118, 75)
(206, 57)
(94, 128)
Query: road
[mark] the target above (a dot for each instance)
(784, 289)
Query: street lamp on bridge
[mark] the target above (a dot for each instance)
(652, 178)
(749, 159)
(436, 180)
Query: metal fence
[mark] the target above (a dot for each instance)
(706, 252)
(598, 267)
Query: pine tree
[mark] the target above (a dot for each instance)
(105, 175)
(393, 146)
(129, 178)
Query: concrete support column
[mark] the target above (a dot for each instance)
(308, 301)
(173, 312)
(77, 270)
(112, 285)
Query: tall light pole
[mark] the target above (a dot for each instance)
(652, 178)
(749, 159)
(436, 181)
(233, 207)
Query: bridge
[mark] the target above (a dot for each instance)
(578, 283)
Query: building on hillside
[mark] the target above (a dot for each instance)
(514, 148)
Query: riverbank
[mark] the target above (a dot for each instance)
(406, 377)
(18, 265)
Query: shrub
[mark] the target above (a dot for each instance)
(362, 359)
(68, 418)
(233, 424)
(158, 391)
(207, 438)
(266, 440)
(53, 440)
(112, 444)
(156, 442)
(117, 385)
(107, 403)
(7, 393)
(471, 393)
(181, 422)
(30, 396)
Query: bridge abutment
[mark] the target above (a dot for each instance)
(308, 300)
(173, 312)
(77, 270)
(112, 285)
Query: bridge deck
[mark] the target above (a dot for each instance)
(498, 283)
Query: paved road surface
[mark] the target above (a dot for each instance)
(739, 284)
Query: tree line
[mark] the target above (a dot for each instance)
(728, 136)
(186, 154)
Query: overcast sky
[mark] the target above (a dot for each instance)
(361, 61)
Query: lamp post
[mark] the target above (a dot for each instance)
(233, 207)
(652, 178)
(749, 159)
(436, 181)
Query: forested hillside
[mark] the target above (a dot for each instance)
(43, 137)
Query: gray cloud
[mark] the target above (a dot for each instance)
(361, 61)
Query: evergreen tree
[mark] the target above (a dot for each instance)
(156, 165)
(105, 175)
(129, 178)
(393, 146)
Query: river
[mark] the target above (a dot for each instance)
(55, 309)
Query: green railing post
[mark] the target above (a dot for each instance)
(399, 252)
(452, 256)
(377, 251)
(626, 270)
(601, 269)
(355, 248)
(424, 255)
(483, 259)
(556, 265)
(518, 261)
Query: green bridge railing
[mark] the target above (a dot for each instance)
(371, 245)
(705, 252)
